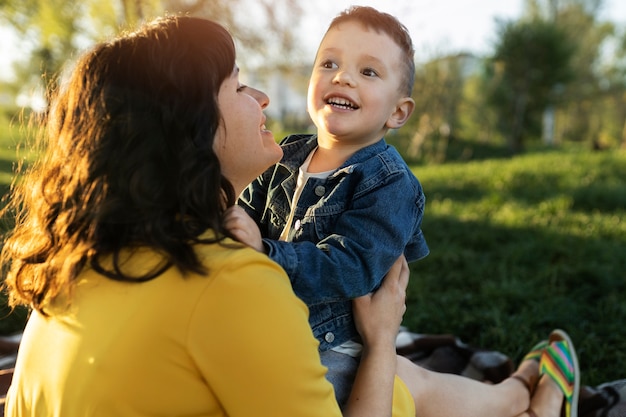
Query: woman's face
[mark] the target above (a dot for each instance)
(243, 145)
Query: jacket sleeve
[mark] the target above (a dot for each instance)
(353, 260)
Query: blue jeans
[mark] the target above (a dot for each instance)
(341, 373)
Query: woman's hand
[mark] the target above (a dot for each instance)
(242, 228)
(378, 315)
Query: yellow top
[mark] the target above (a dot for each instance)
(233, 343)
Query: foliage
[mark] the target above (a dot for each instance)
(531, 61)
(557, 74)
(479, 121)
(591, 106)
(521, 246)
(437, 93)
(57, 29)
(452, 93)
(585, 101)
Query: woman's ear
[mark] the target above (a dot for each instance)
(404, 109)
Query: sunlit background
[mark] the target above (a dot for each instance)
(438, 27)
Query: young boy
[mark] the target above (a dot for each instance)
(342, 205)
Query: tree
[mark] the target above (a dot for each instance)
(614, 77)
(57, 29)
(438, 93)
(532, 60)
(589, 106)
(585, 98)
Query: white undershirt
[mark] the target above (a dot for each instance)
(303, 177)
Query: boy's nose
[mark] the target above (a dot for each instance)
(344, 78)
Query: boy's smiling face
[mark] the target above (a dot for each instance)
(355, 88)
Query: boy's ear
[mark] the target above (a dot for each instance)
(404, 108)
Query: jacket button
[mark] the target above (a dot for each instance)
(320, 190)
(329, 337)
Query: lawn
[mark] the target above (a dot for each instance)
(524, 245)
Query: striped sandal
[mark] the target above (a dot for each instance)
(560, 363)
(536, 352)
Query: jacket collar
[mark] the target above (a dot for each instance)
(297, 157)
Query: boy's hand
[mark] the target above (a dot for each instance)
(241, 226)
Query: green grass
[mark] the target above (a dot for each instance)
(524, 245)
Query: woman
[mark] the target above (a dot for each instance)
(141, 305)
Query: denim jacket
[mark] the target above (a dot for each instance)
(347, 231)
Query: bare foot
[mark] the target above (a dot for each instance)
(528, 374)
(547, 400)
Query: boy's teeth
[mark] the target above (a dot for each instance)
(341, 102)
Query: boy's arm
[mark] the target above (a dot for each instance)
(352, 261)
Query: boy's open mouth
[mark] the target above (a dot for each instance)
(341, 103)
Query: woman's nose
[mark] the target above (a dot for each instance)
(260, 97)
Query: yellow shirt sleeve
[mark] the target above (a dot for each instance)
(269, 364)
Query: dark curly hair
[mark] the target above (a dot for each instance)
(127, 162)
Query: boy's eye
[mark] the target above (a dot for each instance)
(241, 87)
(329, 64)
(370, 72)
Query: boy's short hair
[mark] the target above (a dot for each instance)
(386, 23)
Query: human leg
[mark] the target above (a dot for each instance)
(527, 393)
(440, 394)
(546, 401)
(341, 372)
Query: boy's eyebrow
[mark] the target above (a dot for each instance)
(373, 58)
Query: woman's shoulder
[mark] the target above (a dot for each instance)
(246, 286)
(230, 262)
(229, 254)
